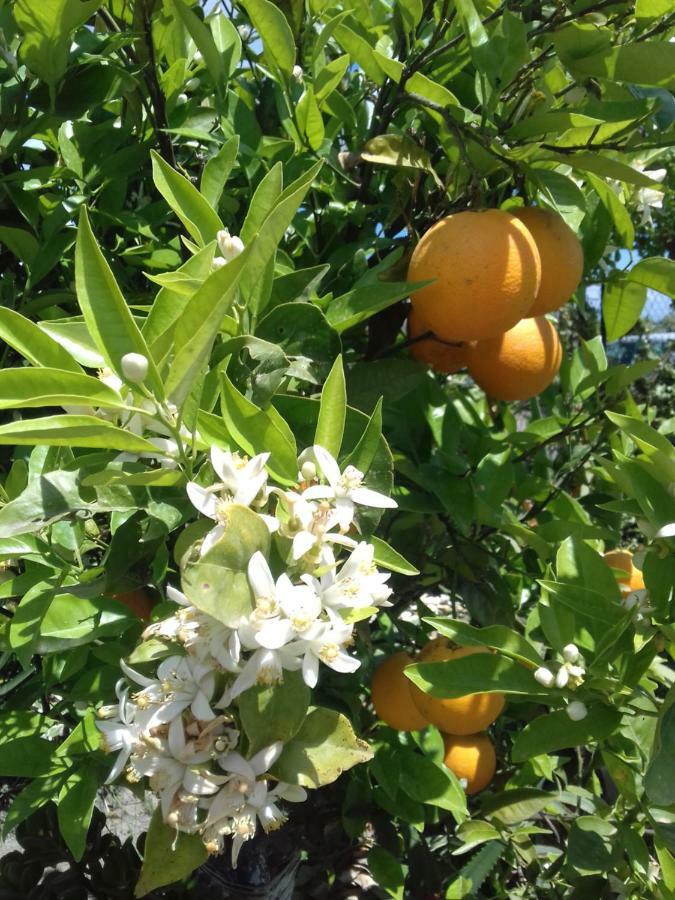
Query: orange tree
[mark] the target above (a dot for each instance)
(216, 414)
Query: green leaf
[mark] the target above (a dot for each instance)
(332, 412)
(556, 731)
(196, 328)
(201, 35)
(73, 431)
(650, 63)
(329, 77)
(21, 243)
(622, 305)
(227, 41)
(482, 52)
(257, 431)
(609, 168)
(361, 303)
(194, 211)
(513, 806)
(560, 193)
(387, 871)
(655, 272)
(620, 215)
(31, 342)
(222, 593)
(659, 780)
(244, 534)
(47, 28)
(478, 673)
(363, 454)
(217, 170)
(76, 805)
(310, 120)
(474, 873)
(35, 795)
(321, 751)
(35, 387)
(498, 637)
(263, 201)
(590, 845)
(360, 51)
(46, 498)
(275, 32)
(276, 713)
(579, 565)
(390, 559)
(169, 856)
(426, 782)
(107, 316)
(26, 757)
(397, 150)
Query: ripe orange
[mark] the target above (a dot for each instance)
(518, 364)
(472, 757)
(562, 258)
(391, 696)
(460, 715)
(487, 273)
(442, 357)
(138, 601)
(623, 559)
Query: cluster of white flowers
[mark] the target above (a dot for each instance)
(180, 728)
(570, 673)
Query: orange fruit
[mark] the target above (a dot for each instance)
(562, 258)
(138, 601)
(518, 364)
(459, 715)
(487, 273)
(391, 696)
(633, 580)
(471, 757)
(442, 357)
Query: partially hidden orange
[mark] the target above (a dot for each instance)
(390, 693)
(562, 257)
(471, 757)
(138, 601)
(486, 273)
(458, 715)
(441, 356)
(633, 580)
(518, 364)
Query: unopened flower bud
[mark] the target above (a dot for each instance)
(192, 84)
(298, 74)
(134, 367)
(570, 653)
(577, 710)
(229, 245)
(576, 671)
(218, 262)
(544, 676)
(244, 31)
(181, 99)
(308, 471)
(562, 677)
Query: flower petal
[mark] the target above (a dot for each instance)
(260, 576)
(327, 464)
(367, 497)
(310, 670)
(205, 501)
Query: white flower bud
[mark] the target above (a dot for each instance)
(570, 653)
(192, 84)
(576, 710)
(181, 99)
(297, 73)
(244, 32)
(562, 677)
(576, 671)
(229, 245)
(308, 471)
(666, 531)
(134, 367)
(218, 262)
(544, 676)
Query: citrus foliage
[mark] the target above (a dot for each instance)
(306, 148)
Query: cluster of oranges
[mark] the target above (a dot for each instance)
(469, 752)
(495, 276)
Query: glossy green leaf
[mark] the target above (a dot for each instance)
(76, 805)
(31, 342)
(359, 50)
(73, 431)
(107, 316)
(391, 559)
(483, 54)
(363, 454)
(620, 216)
(263, 202)
(332, 412)
(310, 120)
(648, 62)
(497, 637)
(622, 305)
(217, 170)
(274, 713)
(478, 673)
(275, 32)
(258, 431)
(516, 805)
(196, 329)
(361, 303)
(169, 856)
(35, 387)
(321, 751)
(26, 757)
(200, 220)
(655, 272)
(203, 38)
(659, 779)
(556, 731)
